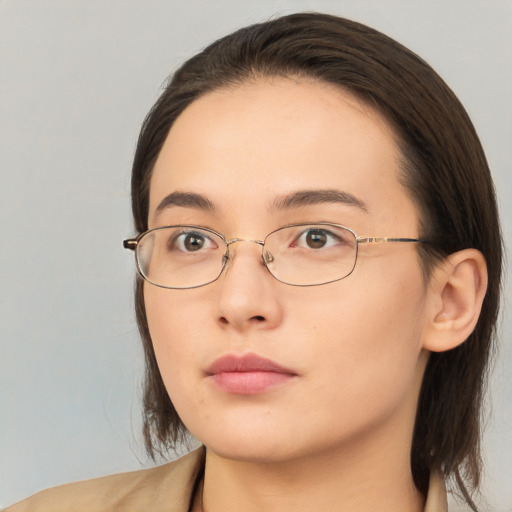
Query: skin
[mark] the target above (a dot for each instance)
(337, 436)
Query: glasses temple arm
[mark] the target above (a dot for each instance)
(377, 239)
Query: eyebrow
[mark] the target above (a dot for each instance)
(185, 200)
(311, 197)
(297, 199)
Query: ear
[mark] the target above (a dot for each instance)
(456, 291)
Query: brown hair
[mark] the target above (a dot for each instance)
(444, 168)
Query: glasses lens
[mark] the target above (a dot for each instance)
(308, 255)
(180, 256)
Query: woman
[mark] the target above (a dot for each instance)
(320, 261)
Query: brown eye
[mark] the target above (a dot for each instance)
(315, 239)
(193, 242)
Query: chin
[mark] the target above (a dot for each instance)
(252, 452)
(249, 446)
(246, 445)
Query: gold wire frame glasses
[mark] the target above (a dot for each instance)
(188, 256)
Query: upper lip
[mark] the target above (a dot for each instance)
(246, 363)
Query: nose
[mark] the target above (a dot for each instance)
(249, 297)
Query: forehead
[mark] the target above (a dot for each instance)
(246, 145)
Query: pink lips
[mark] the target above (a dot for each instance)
(247, 375)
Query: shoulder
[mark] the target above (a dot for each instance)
(168, 487)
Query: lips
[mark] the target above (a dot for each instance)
(248, 375)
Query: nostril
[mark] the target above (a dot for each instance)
(257, 319)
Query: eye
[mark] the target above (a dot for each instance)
(191, 241)
(316, 238)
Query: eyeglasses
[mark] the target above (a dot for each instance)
(181, 257)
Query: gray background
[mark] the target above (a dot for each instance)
(76, 79)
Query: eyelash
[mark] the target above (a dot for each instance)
(180, 239)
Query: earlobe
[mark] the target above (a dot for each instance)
(456, 292)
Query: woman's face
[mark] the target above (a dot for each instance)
(347, 358)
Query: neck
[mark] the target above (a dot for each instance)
(359, 479)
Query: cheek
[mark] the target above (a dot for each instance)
(176, 326)
(173, 333)
(367, 336)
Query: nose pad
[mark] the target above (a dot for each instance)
(267, 257)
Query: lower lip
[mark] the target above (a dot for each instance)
(249, 383)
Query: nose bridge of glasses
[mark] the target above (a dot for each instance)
(235, 240)
(232, 241)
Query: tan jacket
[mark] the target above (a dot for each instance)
(166, 488)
